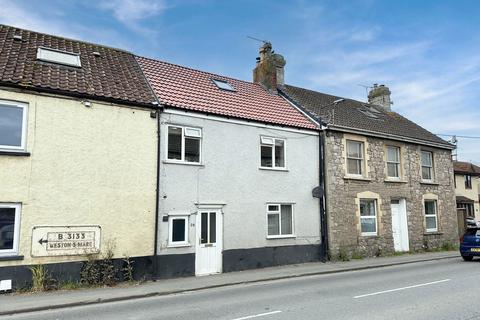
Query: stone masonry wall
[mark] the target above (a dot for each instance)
(344, 224)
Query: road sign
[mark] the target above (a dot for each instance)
(65, 240)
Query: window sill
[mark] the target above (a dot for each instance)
(363, 235)
(14, 153)
(395, 181)
(429, 183)
(273, 169)
(179, 245)
(432, 233)
(356, 178)
(183, 163)
(11, 258)
(281, 237)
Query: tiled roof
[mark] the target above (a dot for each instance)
(466, 167)
(114, 75)
(190, 89)
(358, 115)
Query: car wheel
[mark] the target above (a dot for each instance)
(467, 258)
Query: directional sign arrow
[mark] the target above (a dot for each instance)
(41, 241)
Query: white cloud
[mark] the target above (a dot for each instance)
(131, 11)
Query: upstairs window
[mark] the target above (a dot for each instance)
(431, 215)
(468, 181)
(393, 162)
(13, 125)
(272, 153)
(59, 57)
(355, 157)
(427, 166)
(184, 144)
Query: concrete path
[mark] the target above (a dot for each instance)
(21, 303)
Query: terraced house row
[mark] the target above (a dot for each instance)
(192, 173)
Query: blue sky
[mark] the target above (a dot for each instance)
(427, 52)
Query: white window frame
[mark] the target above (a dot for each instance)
(431, 167)
(199, 136)
(397, 164)
(16, 231)
(362, 159)
(42, 55)
(435, 215)
(23, 106)
(279, 213)
(264, 141)
(375, 206)
(172, 243)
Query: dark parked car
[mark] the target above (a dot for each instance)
(470, 244)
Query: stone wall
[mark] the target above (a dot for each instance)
(343, 217)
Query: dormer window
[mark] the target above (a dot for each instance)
(222, 84)
(59, 57)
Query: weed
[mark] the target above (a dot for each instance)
(40, 277)
(128, 269)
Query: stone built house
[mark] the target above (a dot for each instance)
(388, 182)
(237, 168)
(467, 179)
(77, 155)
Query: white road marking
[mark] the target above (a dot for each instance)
(399, 289)
(258, 315)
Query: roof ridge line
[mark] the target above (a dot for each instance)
(67, 38)
(197, 70)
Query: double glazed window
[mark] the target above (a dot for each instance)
(9, 228)
(272, 153)
(12, 125)
(355, 158)
(431, 215)
(468, 207)
(427, 166)
(368, 217)
(178, 230)
(184, 144)
(279, 220)
(393, 162)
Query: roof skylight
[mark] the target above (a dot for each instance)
(59, 57)
(222, 84)
(368, 113)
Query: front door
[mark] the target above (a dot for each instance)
(208, 256)
(399, 225)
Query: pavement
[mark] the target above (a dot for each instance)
(15, 304)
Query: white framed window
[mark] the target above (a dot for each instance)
(59, 57)
(272, 153)
(355, 158)
(13, 125)
(431, 218)
(222, 84)
(427, 166)
(368, 217)
(9, 228)
(279, 220)
(393, 162)
(184, 144)
(178, 231)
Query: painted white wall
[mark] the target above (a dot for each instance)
(230, 174)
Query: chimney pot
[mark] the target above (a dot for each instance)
(380, 96)
(269, 70)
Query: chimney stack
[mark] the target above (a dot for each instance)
(269, 70)
(380, 96)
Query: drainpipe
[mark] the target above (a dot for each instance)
(157, 198)
(323, 199)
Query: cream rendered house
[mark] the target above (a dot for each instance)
(78, 155)
(467, 179)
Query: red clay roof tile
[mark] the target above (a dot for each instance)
(186, 88)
